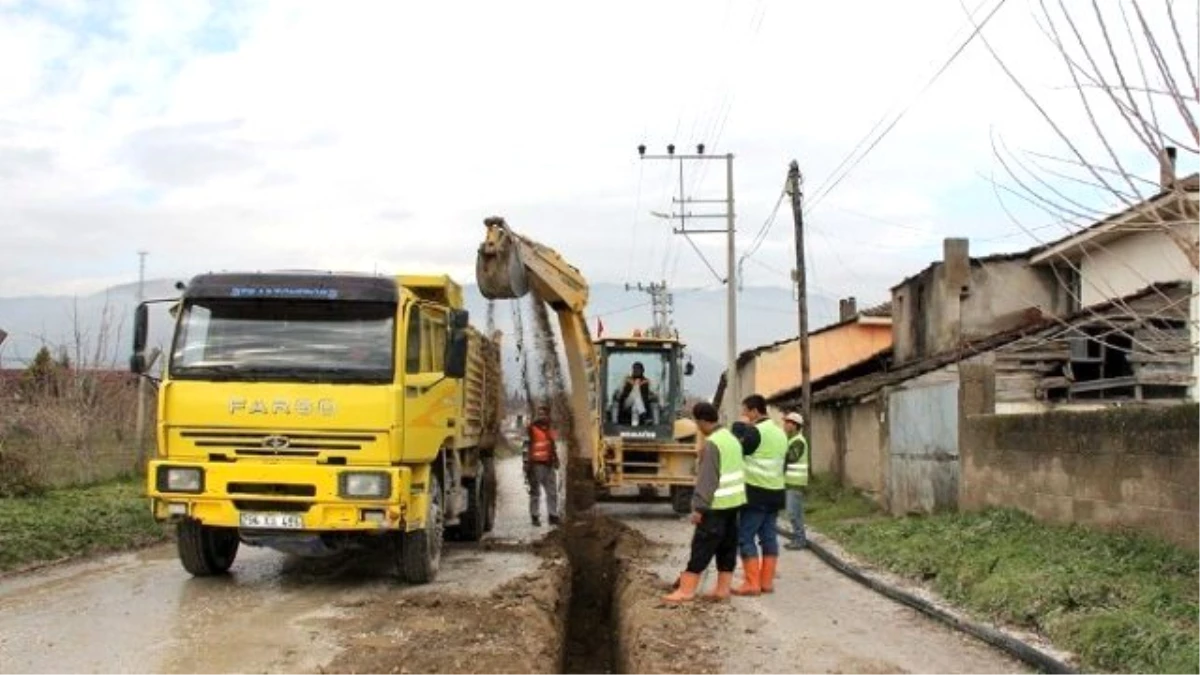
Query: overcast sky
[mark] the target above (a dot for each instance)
(379, 135)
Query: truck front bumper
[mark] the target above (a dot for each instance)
(301, 498)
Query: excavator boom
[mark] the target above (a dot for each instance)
(658, 447)
(507, 267)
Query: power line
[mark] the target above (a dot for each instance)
(822, 193)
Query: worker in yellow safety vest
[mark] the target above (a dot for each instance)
(796, 478)
(720, 491)
(765, 498)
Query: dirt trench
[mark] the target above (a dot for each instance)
(593, 606)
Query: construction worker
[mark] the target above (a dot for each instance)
(542, 467)
(765, 498)
(719, 493)
(635, 396)
(796, 477)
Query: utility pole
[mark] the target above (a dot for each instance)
(794, 182)
(140, 433)
(661, 303)
(731, 397)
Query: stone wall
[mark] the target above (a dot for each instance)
(1130, 467)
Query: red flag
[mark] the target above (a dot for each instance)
(599, 327)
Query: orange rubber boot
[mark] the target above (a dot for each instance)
(768, 573)
(687, 588)
(723, 589)
(752, 569)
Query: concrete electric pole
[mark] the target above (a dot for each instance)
(794, 182)
(732, 397)
(140, 433)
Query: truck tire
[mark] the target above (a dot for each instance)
(421, 550)
(489, 494)
(206, 551)
(681, 499)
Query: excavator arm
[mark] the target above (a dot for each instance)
(507, 267)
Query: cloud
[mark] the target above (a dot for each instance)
(378, 136)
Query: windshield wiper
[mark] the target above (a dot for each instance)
(223, 371)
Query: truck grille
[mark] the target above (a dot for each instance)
(258, 443)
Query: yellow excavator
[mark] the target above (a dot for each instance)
(631, 438)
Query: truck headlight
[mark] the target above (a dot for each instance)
(361, 484)
(180, 479)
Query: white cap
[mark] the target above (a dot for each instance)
(794, 418)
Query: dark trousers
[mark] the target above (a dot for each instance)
(758, 528)
(715, 536)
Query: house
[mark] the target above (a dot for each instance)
(959, 299)
(1154, 241)
(894, 433)
(774, 368)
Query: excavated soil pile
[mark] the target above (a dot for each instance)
(518, 628)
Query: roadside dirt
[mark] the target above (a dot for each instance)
(817, 621)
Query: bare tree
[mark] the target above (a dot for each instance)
(1130, 71)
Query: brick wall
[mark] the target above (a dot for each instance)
(1132, 467)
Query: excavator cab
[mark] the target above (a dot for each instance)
(640, 379)
(648, 443)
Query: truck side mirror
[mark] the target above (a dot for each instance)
(460, 319)
(456, 354)
(141, 327)
(688, 368)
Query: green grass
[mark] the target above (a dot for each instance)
(827, 502)
(1123, 603)
(74, 522)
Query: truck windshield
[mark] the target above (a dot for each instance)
(285, 340)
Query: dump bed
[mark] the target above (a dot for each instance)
(482, 390)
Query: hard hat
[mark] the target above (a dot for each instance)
(795, 418)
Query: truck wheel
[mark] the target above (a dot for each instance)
(206, 551)
(489, 494)
(681, 499)
(421, 551)
(471, 523)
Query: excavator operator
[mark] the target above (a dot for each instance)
(635, 397)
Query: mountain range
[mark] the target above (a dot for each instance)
(95, 329)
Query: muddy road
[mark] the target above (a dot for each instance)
(583, 598)
(140, 612)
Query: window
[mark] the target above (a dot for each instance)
(426, 348)
(412, 357)
(284, 340)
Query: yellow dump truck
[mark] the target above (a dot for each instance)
(315, 413)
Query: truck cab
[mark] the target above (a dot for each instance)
(317, 412)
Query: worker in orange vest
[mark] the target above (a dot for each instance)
(541, 466)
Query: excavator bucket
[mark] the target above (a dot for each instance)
(499, 270)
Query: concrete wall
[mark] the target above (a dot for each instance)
(1133, 467)
(1001, 293)
(1129, 264)
(961, 299)
(777, 369)
(850, 442)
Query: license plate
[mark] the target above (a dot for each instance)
(277, 521)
